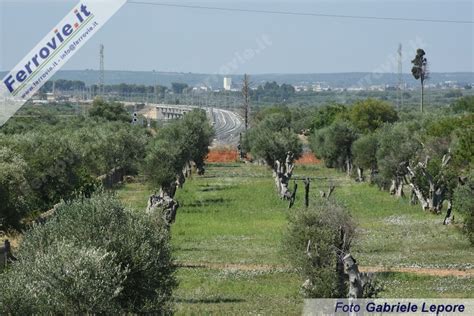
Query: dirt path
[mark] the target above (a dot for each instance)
(422, 271)
(265, 267)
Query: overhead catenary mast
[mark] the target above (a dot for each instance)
(101, 70)
(400, 77)
(246, 99)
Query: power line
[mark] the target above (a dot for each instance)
(360, 17)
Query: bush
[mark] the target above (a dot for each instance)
(396, 146)
(464, 203)
(103, 110)
(326, 115)
(463, 149)
(364, 150)
(55, 168)
(179, 142)
(135, 242)
(62, 279)
(162, 163)
(108, 145)
(60, 164)
(14, 189)
(322, 226)
(369, 115)
(272, 139)
(334, 144)
(464, 104)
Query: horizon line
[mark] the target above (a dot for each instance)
(262, 73)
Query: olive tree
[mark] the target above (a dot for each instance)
(364, 150)
(464, 203)
(15, 192)
(109, 145)
(369, 115)
(162, 165)
(317, 242)
(169, 156)
(110, 111)
(444, 157)
(54, 165)
(334, 145)
(64, 279)
(328, 114)
(274, 141)
(93, 253)
(197, 135)
(463, 105)
(432, 176)
(397, 147)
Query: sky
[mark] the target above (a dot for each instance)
(145, 38)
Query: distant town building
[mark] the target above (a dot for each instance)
(320, 86)
(227, 83)
(201, 88)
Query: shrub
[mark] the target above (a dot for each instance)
(322, 226)
(396, 145)
(162, 163)
(109, 111)
(334, 144)
(464, 203)
(56, 163)
(136, 241)
(55, 169)
(179, 142)
(464, 104)
(62, 279)
(369, 115)
(364, 150)
(14, 188)
(326, 115)
(272, 139)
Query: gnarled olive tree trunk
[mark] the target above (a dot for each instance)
(432, 199)
(164, 206)
(396, 188)
(360, 285)
(349, 166)
(187, 170)
(282, 174)
(449, 218)
(360, 174)
(356, 287)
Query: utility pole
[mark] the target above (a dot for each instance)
(400, 78)
(54, 90)
(101, 70)
(246, 95)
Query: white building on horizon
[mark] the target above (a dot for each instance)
(227, 83)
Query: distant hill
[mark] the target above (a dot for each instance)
(351, 79)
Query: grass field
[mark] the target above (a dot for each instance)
(227, 241)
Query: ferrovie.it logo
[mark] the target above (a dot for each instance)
(15, 81)
(52, 52)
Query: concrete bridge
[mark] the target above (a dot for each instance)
(227, 124)
(164, 112)
(167, 112)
